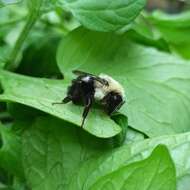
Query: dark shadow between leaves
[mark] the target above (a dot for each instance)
(88, 139)
(39, 60)
(1, 89)
(1, 141)
(122, 121)
(23, 112)
(5, 178)
(2, 107)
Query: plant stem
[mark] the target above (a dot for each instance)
(12, 63)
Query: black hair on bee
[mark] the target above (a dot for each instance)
(88, 88)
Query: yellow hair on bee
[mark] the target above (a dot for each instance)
(102, 90)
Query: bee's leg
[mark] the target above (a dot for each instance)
(64, 101)
(86, 109)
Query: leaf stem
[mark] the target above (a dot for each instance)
(12, 63)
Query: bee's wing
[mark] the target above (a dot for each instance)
(82, 73)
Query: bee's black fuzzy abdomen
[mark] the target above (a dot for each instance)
(81, 90)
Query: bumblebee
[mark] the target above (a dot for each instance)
(88, 88)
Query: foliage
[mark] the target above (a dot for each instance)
(144, 146)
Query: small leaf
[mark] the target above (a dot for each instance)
(41, 93)
(157, 84)
(154, 173)
(107, 15)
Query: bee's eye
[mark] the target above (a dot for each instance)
(112, 102)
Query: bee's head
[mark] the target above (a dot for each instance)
(112, 102)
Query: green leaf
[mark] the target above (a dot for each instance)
(95, 169)
(10, 152)
(52, 152)
(41, 93)
(156, 84)
(174, 29)
(107, 15)
(141, 31)
(158, 173)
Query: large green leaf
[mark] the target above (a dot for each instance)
(41, 93)
(107, 15)
(157, 84)
(158, 173)
(52, 152)
(96, 169)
